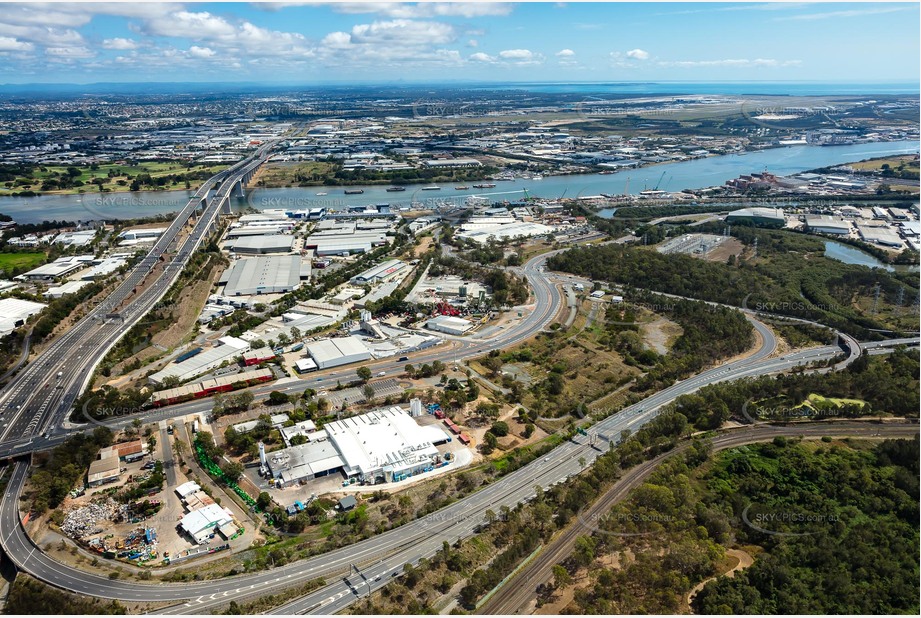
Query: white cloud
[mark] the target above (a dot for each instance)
(403, 32)
(481, 57)
(565, 53)
(406, 10)
(201, 52)
(241, 38)
(8, 44)
(472, 43)
(69, 53)
(516, 54)
(119, 43)
(638, 54)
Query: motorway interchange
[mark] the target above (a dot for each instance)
(33, 415)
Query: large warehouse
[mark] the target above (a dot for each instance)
(824, 224)
(340, 351)
(382, 272)
(186, 369)
(770, 217)
(382, 446)
(449, 324)
(261, 245)
(265, 275)
(201, 524)
(14, 312)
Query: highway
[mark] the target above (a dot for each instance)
(517, 593)
(382, 555)
(40, 396)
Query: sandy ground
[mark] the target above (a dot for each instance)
(660, 334)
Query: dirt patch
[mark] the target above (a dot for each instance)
(742, 560)
(731, 246)
(660, 334)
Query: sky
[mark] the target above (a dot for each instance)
(372, 42)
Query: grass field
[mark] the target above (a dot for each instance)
(20, 261)
(119, 179)
(292, 174)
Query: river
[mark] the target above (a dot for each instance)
(693, 174)
(852, 255)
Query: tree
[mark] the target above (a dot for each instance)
(528, 430)
(499, 429)
(368, 391)
(364, 373)
(232, 470)
(295, 333)
(561, 576)
(410, 370)
(277, 398)
(263, 501)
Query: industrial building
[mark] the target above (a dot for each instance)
(126, 451)
(142, 235)
(825, 224)
(254, 357)
(186, 369)
(768, 217)
(265, 275)
(328, 353)
(106, 469)
(14, 312)
(880, 235)
(204, 388)
(105, 268)
(449, 324)
(482, 232)
(71, 287)
(201, 524)
(58, 268)
(380, 273)
(75, 239)
(386, 445)
(261, 245)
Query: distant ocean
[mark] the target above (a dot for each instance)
(727, 88)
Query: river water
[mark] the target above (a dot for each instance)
(693, 174)
(852, 255)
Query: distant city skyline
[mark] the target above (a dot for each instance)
(323, 42)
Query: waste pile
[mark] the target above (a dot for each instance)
(86, 520)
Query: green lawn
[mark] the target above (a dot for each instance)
(15, 261)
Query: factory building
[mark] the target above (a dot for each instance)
(141, 235)
(382, 446)
(880, 235)
(826, 224)
(106, 469)
(449, 324)
(222, 384)
(482, 232)
(14, 312)
(451, 163)
(328, 353)
(265, 275)
(201, 524)
(71, 287)
(226, 350)
(261, 244)
(58, 268)
(380, 273)
(262, 355)
(767, 217)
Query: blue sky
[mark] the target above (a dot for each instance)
(317, 42)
